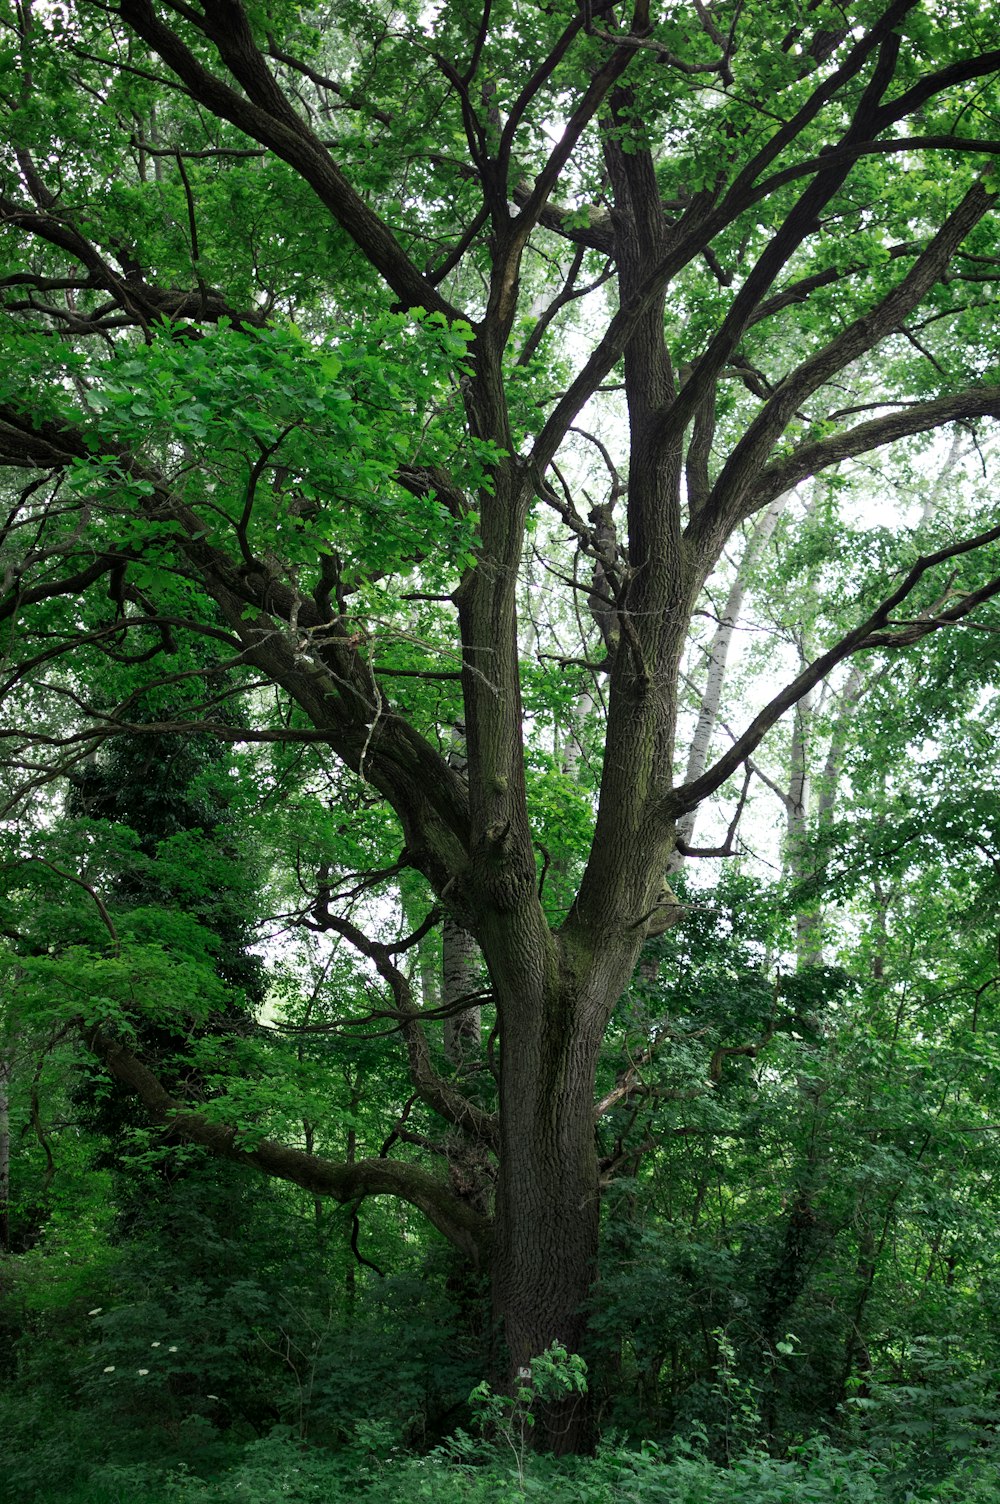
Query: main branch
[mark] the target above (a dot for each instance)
(455, 1219)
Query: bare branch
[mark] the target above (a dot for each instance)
(434, 1091)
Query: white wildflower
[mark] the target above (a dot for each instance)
(110, 1368)
(154, 1344)
(143, 1370)
(96, 1311)
(171, 1349)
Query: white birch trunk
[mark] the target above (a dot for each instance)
(718, 656)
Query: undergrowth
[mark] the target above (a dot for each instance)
(278, 1470)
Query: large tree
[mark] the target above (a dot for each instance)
(308, 316)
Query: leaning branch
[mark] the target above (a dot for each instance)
(870, 633)
(916, 417)
(346, 1183)
(264, 114)
(324, 671)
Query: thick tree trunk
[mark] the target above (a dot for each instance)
(547, 1211)
(547, 1215)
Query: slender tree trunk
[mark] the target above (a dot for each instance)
(429, 971)
(718, 657)
(939, 490)
(469, 1167)
(461, 961)
(350, 1155)
(854, 688)
(880, 929)
(857, 1358)
(808, 926)
(460, 974)
(469, 1164)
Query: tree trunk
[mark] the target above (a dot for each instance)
(460, 960)
(808, 931)
(718, 657)
(460, 972)
(547, 1214)
(469, 1165)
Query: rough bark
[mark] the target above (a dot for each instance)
(548, 1200)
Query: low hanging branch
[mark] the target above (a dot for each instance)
(468, 1230)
